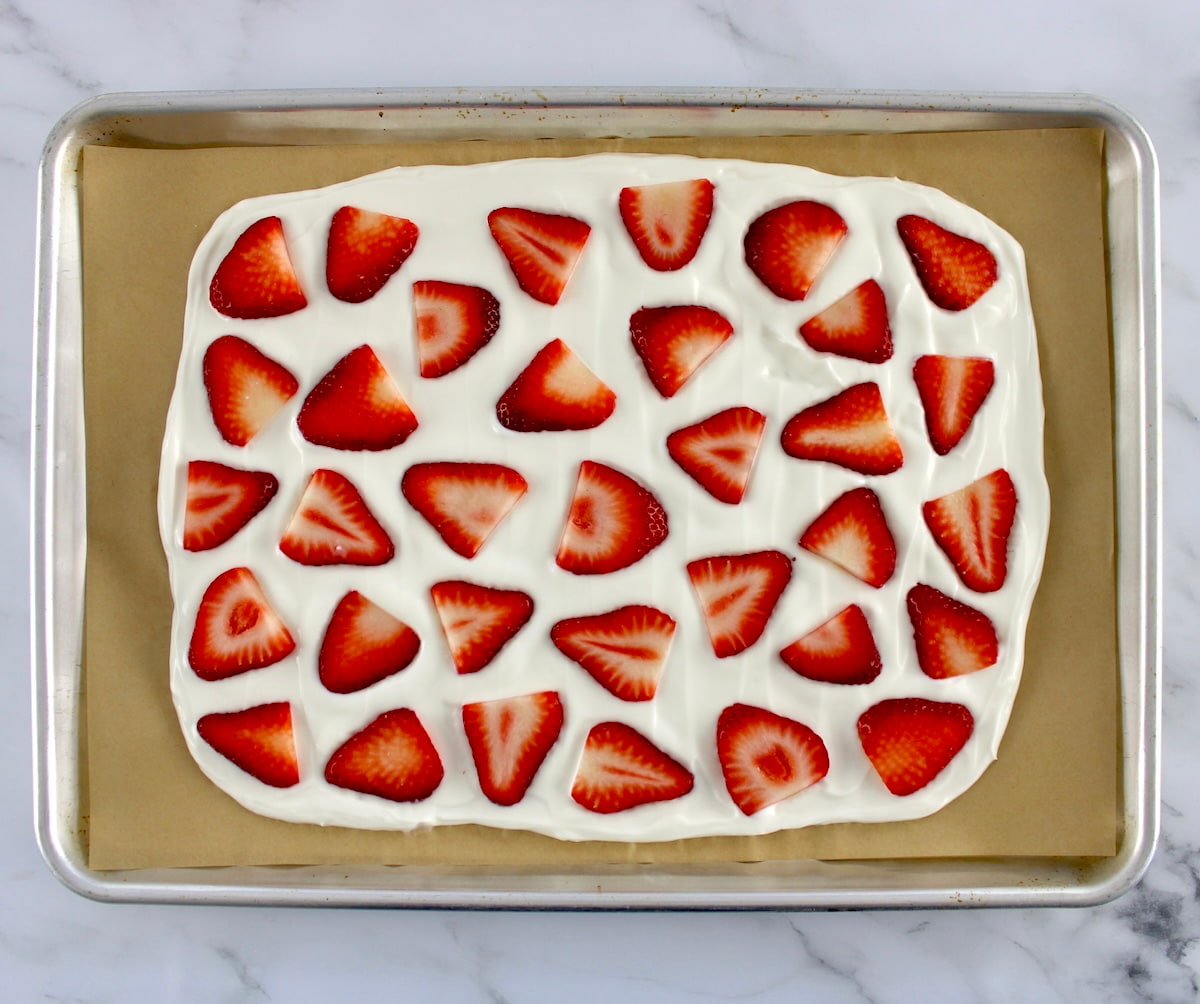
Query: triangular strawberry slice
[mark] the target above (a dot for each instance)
(853, 534)
(972, 526)
(363, 644)
(952, 390)
(356, 406)
(220, 501)
(789, 246)
(952, 639)
(955, 270)
(245, 388)
(856, 326)
(556, 392)
(667, 221)
(392, 757)
(364, 250)
(673, 342)
(738, 594)
(910, 740)
(464, 502)
(542, 249)
(259, 740)
(718, 452)
(453, 321)
(510, 738)
(256, 278)
(767, 758)
(236, 629)
(613, 522)
(842, 650)
(624, 650)
(333, 526)
(478, 621)
(850, 429)
(620, 769)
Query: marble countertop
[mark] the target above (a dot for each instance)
(57, 946)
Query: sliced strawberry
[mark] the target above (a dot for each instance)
(509, 739)
(236, 629)
(259, 740)
(850, 429)
(842, 650)
(363, 644)
(542, 249)
(364, 250)
(719, 451)
(453, 321)
(256, 278)
(464, 502)
(356, 406)
(673, 342)
(667, 221)
(333, 526)
(972, 526)
(952, 390)
(952, 638)
(478, 621)
(221, 500)
(245, 388)
(788, 247)
(613, 522)
(856, 326)
(738, 594)
(624, 650)
(955, 270)
(767, 758)
(392, 758)
(854, 535)
(620, 768)
(910, 740)
(555, 392)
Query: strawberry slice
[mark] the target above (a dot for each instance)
(952, 390)
(853, 534)
(245, 388)
(542, 249)
(464, 502)
(667, 221)
(952, 638)
(842, 650)
(955, 270)
(392, 757)
(220, 501)
(787, 247)
(453, 321)
(673, 342)
(856, 326)
(767, 758)
(555, 392)
(256, 278)
(620, 769)
(259, 740)
(363, 644)
(478, 621)
(718, 452)
(972, 526)
(236, 628)
(910, 740)
(850, 429)
(333, 526)
(624, 650)
(613, 522)
(364, 250)
(356, 406)
(738, 594)
(509, 739)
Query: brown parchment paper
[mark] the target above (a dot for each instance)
(1055, 788)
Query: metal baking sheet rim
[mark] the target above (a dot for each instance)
(59, 543)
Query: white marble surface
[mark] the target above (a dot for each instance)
(55, 946)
